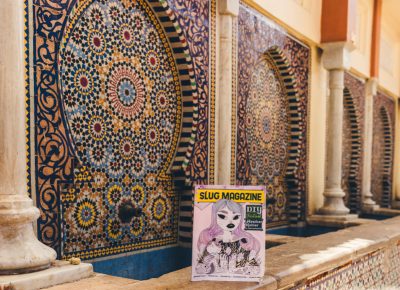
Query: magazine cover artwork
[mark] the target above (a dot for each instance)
(229, 233)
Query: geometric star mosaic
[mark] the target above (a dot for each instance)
(114, 108)
(122, 100)
(267, 133)
(272, 107)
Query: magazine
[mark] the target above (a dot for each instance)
(228, 233)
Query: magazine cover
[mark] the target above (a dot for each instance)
(228, 233)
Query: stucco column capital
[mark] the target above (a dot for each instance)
(371, 86)
(229, 7)
(337, 55)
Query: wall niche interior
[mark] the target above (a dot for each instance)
(110, 140)
(353, 136)
(272, 109)
(382, 148)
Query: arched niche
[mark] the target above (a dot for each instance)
(272, 134)
(352, 153)
(129, 104)
(383, 158)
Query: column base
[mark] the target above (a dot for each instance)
(332, 220)
(396, 204)
(333, 203)
(61, 272)
(20, 250)
(369, 208)
(389, 212)
(368, 204)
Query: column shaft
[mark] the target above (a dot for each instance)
(368, 204)
(396, 160)
(20, 251)
(335, 131)
(228, 9)
(12, 144)
(333, 193)
(336, 59)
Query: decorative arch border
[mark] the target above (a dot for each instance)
(54, 162)
(354, 182)
(184, 63)
(286, 74)
(388, 157)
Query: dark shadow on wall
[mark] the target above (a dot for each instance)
(352, 149)
(382, 157)
(387, 158)
(146, 265)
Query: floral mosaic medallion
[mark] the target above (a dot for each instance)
(267, 134)
(122, 103)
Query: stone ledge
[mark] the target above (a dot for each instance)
(312, 256)
(61, 272)
(386, 212)
(340, 221)
(97, 282)
(287, 264)
(298, 260)
(181, 280)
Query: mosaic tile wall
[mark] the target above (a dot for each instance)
(107, 121)
(197, 19)
(269, 115)
(353, 136)
(377, 270)
(194, 19)
(382, 146)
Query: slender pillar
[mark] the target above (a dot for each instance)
(396, 173)
(228, 10)
(368, 204)
(336, 60)
(20, 251)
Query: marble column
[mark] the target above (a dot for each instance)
(228, 10)
(20, 250)
(368, 204)
(335, 59)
